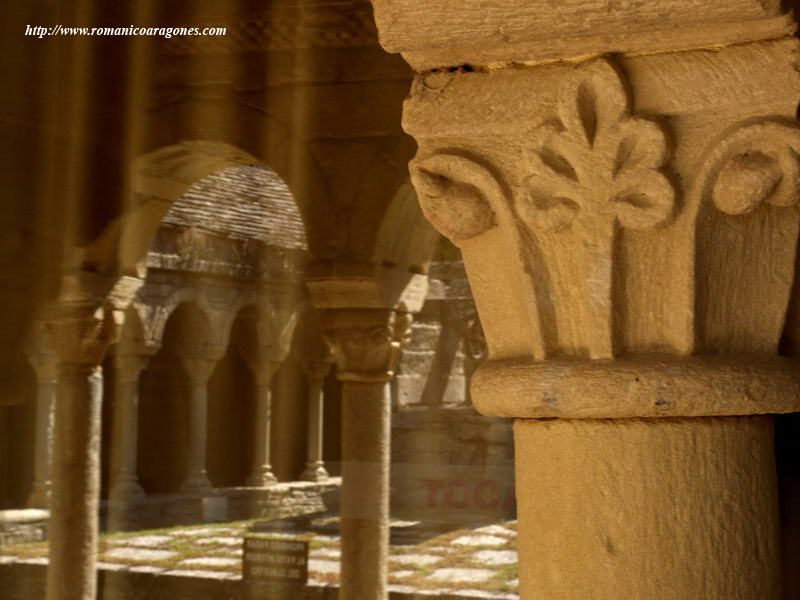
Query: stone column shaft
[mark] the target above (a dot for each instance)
(262, 474)
(125, 485)
(76, 484)
(315, 468)
(45, 366)
(80, 331)
(366, 345)
(200, 371)
(366, 441)
(662, 508)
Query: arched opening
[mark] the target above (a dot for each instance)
(221, 295)
(165, 389)
(17, 429)
(232, 410)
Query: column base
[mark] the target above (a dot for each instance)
(314, 471)
(127, 491)
(262, 477)
(40, 496)
(196, 483)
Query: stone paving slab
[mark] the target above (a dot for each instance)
(33, 561)
(479, 551)
(480, 540)
(206, 531)
(143, 541)
(146, 569)
(401, 573)
(496, 530)
(227, 551)
(495, 557)
(199, 573)
(210, 561)
(324, 566)
(220, 541)
(326, 553)
(142, 554)
(461, 575)
(416, 559)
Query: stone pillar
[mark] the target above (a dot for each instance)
(629, 227)
(315, 372)
(124, 442)
(46, 368)
(263, 370)
(366, 345)
(199, 363)
(81, 335)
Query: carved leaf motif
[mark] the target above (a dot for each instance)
(758, 162)
(453, 193)
(599, 160)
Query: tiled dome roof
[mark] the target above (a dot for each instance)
(243, 202)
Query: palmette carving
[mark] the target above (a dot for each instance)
(597, 169)
(453, 192)
(599, 161)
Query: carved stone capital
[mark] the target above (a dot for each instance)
(45, 365)
(200, 360)
(265, 341)
(621, 218)
(309, 348)
(262, 366)
(81, 332)
(129, 365)
(366, 343)
(317, 370)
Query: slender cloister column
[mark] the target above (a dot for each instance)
(45, 365)
(199, 362)
(81, 334)
(124, 479)
(263, 370)
(623, 191)
(366, 345)
(315, 371)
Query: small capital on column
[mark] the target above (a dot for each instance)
(316, 370)
(366, 342)
(262, 366)
(45, 365)
(129, 365)
(200, 360)
(81, 332)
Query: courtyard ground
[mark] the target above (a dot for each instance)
(429, 558)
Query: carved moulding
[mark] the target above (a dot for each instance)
(644, 386)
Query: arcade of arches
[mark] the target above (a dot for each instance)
(239, 276)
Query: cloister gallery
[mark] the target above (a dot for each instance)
(238, 276)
